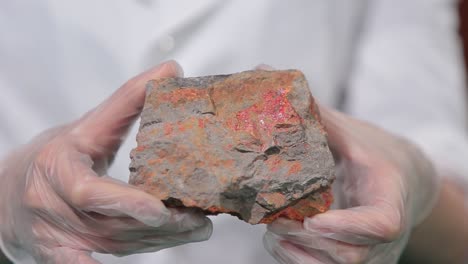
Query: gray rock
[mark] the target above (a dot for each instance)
(249, 144)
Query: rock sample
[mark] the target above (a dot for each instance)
(249, 144)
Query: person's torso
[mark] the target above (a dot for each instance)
(61, 58)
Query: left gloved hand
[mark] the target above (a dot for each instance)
(385, 186)
(58, 205)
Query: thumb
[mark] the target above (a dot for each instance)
(362, 225)
(104, 127)
(342, 131)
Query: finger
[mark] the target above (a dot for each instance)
(111, 197)
(152, 242)
(89, 202)
(116, 228)
(286, 253)
(104, 127)
(324, 248)
(349, 137)
(84, 238)
(363, 225)
(186, 219)
(61, 255)
(126, 228)
(89, 194)
(309, 253)
(198, 234)
(338, 131)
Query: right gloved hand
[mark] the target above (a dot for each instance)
(57, 205)
(385, 187)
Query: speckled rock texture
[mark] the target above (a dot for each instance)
(249, 144)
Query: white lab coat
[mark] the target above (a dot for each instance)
(396, 63)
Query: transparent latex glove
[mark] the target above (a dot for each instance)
(57, 205)
(384, 187)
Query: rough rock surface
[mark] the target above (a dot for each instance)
(249, 144)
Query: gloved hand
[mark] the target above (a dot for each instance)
(58, 205)
(384, 187)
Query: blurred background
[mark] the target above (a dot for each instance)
(463, 12)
